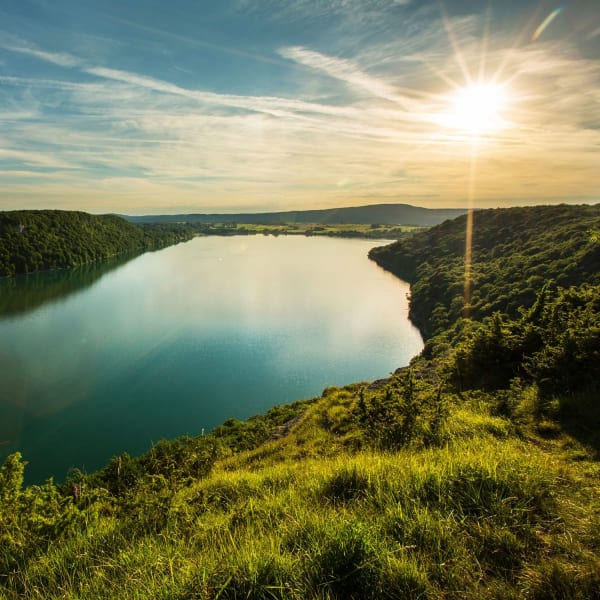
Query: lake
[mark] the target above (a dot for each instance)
(111, 357)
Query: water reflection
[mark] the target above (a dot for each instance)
(24, 293)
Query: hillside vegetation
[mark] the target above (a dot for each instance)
(38, 240)
(515, 252)
(473, 473)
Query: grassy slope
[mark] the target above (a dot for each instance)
(411, 489)
(496, 508)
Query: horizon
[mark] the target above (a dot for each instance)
(264, 106)
(513, 204)
(522, 204)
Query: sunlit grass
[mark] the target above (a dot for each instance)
(485, 512)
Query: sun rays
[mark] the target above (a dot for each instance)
(476, 108)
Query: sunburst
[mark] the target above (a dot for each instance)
(477, 109)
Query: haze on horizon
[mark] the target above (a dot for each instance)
(268, 105)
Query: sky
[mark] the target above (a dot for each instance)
(148, 107)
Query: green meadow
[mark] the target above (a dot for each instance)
(367, 231)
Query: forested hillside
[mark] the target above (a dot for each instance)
(472, 473)
(37, 240)
(515, 252)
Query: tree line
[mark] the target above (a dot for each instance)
(38, 240)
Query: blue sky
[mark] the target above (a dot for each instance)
(251, 105)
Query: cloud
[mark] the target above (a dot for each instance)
(345, 71)
(197, 42)
(314, 10)
(356, 125)
(138, 80)
(275, 106)
(34, 159)
(61, 59)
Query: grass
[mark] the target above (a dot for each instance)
(389, 232)
(492, 510)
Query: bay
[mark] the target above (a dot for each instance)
(112, 357)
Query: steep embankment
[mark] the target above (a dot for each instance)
(436, 484)
(515, 252)
(38, 240)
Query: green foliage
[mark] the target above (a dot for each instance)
(236, 436)
(404, 412)
(515, 251)
(38, 240)
(30, 518)
(557, 580)
(555, 344)
(475, 517)
(568, 329)
(178, 460)
(364, 231)
(345, 562)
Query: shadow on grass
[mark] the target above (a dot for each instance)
(579, 416)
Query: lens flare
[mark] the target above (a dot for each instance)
(545, 23)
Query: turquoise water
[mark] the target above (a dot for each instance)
(111, 358)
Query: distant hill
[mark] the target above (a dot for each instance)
(39, 240)
(383, 214)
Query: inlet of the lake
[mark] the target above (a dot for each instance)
(109, 358)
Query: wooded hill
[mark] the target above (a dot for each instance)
(382, 214)
(37, 240)
(471, 474)
(515, 252)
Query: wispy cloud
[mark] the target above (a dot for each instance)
(268, 104)
(345, 71)
(61, 59)
(34, 159)
(313, 10)
(198, 42)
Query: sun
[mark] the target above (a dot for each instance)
(476, 109)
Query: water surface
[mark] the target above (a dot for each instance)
(176, 341)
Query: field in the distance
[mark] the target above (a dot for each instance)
(370, 231)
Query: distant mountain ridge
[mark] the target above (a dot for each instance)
(382, 214)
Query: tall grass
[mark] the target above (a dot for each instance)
(490, 511)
